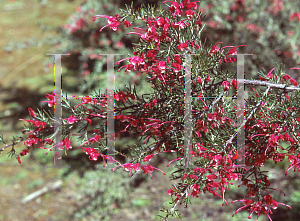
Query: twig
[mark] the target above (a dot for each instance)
(45, 189)
(174, 206)
(244, 122)
(265, 83)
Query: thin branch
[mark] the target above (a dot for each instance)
(25, 138)
(174, 206)
(244, 122)
(265, 83)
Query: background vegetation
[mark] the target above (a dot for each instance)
(90, 192)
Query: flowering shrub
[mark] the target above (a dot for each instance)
(82, 39)
(268, 28)
(271, 117)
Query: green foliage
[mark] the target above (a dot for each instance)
(86, 71)
(101, 191)
(261, 25)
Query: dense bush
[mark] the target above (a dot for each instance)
(81, 38)
(89, 41)
(270, 30)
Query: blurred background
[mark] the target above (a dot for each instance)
(31, 29)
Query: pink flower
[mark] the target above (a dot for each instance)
(31, 112)
(149, 169)
(148, 157)
(113, 22)
(175, 8)
(191, 5)
(274, 77)
(182, 46)
(51, 99)
(92, 152)
(127, 23)
(18, 158)
(24, 152)
(226, 85)
(215, 49)
(72, 119)
(199, 80)
(234, 83)
(295, 15)
(177, 66)
(180, 24)
(160, 22)
(135, 62)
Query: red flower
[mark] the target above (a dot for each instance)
(135, 62)
(177, 67)
(84, 100)
(67, 144)
(175, 8)
(190, 5)
(31, 112)
(295, 15)
(51, 98)
(131, 166)
(18, 158)
(72, 119)
(226, 85)
(149, 169)
(199, 80)
(113, 22)
(180, 24)
(294, 82)
(177, 58)
(120, 96)
(148, 157)
(127, 23)
(24, 152)
(30, 143)
(92, 152)
(274, 77)
(40, 124)
(254, 28)
(215, 49)
(234, 83)
(48, 140)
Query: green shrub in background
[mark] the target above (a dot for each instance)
(85, 70)
(97, 201)
(270, 29)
